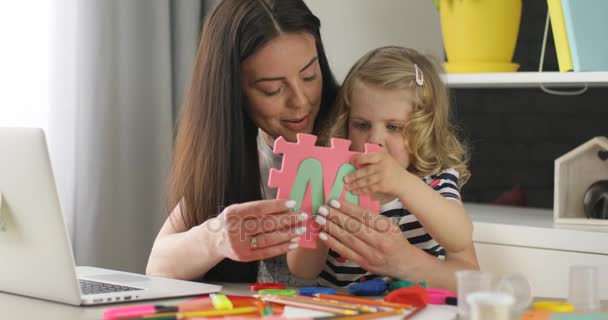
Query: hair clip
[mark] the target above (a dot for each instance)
(419, 76)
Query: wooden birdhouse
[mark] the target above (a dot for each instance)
(575, 172)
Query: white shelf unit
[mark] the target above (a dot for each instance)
(526, 79)
(526, 240)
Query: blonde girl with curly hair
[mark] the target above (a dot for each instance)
(394, 97)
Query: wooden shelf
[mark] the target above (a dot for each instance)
(526, 79)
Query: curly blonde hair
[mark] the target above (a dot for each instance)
(432, 138)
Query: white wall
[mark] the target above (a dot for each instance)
(350, 28)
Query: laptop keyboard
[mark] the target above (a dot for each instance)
(94, 287)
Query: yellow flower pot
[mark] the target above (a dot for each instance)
(480, 35)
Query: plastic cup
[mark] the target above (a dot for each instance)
(493, 305)
(469, 282)
(583, 288)
(516, 285)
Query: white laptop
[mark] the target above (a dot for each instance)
(35, 253)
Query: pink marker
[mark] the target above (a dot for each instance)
(135, 311)
(439, 296)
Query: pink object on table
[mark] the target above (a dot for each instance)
(438, 296)
(129, 312)
(332, 159)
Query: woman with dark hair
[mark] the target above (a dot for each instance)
(260, 73)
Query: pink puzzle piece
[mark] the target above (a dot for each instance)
(304, 158)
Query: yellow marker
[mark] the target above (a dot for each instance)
(220, 302)
(555, 306)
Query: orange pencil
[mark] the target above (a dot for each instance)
(413, 313)
(371, 302)
(372, 315)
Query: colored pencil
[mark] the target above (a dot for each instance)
(371, 315)
(366, 301)
(195, 305)
(413, 313)
(208, 313)
(333, 303)
(308, 305)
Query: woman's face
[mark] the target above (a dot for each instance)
(282, 83)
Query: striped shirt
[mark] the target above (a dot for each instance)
(339, 272)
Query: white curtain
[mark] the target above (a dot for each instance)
(120, 70)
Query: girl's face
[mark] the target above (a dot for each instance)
(282, 83)
(379, 116)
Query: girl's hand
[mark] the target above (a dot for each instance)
(258, 230)
(368, 239)
(378, 173)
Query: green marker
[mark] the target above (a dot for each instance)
(279, 292)
(394, 285)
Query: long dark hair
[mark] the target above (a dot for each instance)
(216, 161)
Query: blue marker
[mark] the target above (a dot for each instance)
(375, 287)
(311, 291)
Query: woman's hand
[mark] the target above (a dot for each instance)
(242, 232)
(378, 173)
(376, 244)
(258, 230)
(370, 240)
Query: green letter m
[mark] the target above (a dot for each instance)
(310, 170)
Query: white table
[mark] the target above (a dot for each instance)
(19, 307)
